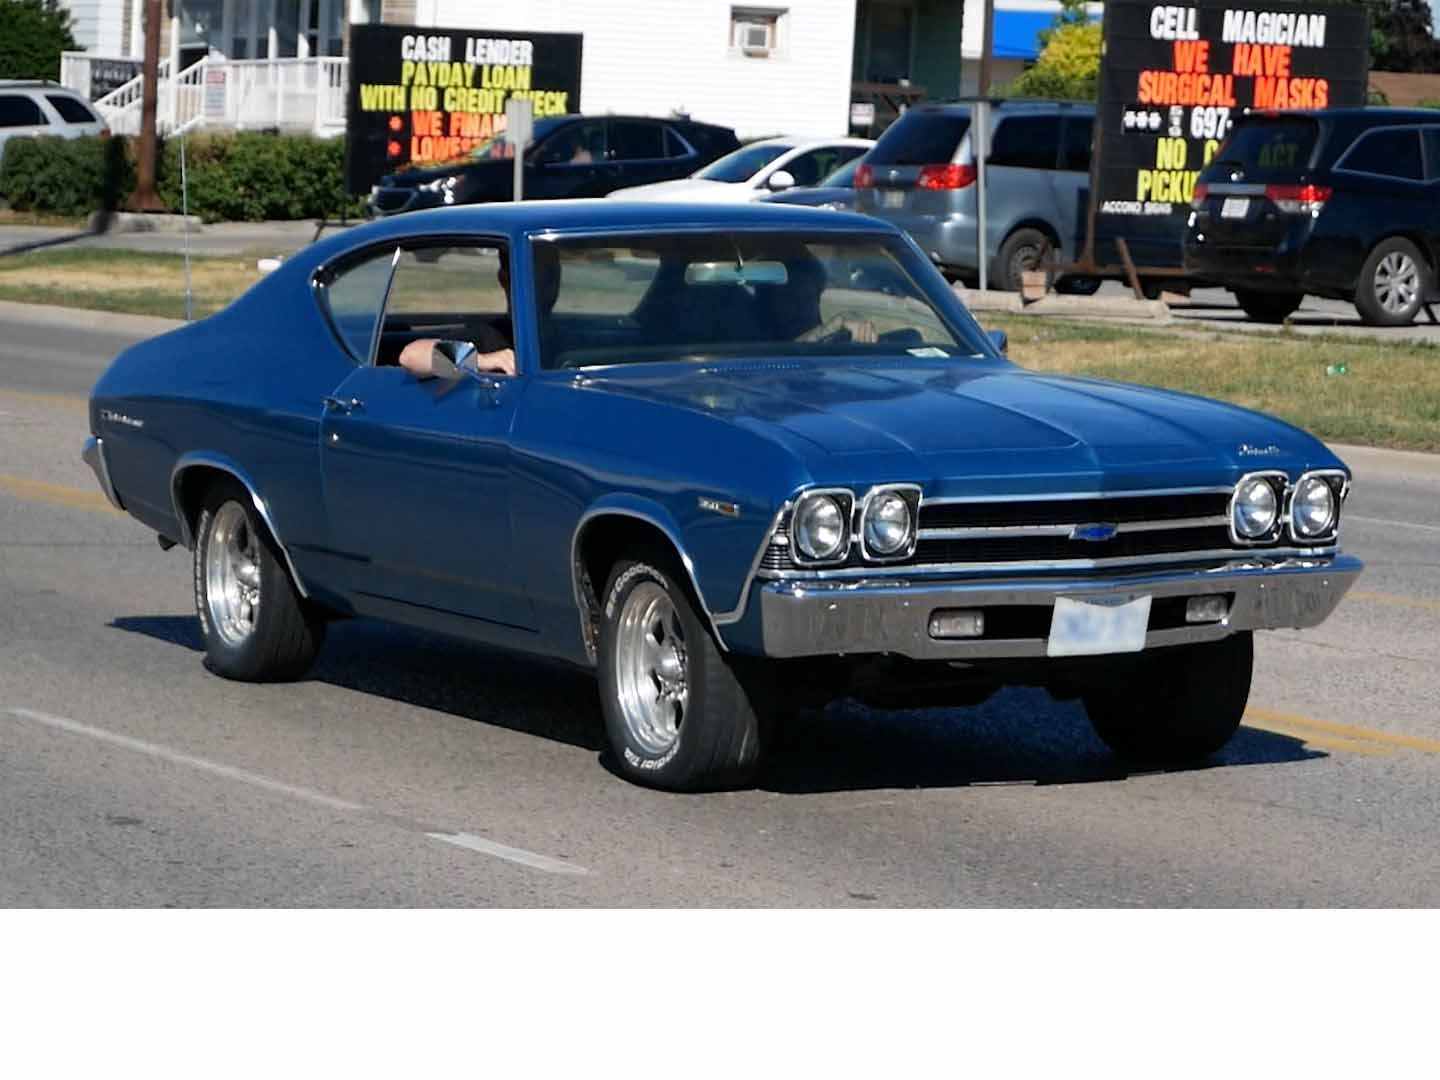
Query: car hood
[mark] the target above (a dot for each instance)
(972, 426)
(417, 176)
(687, 190)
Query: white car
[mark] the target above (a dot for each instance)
(33, 107)
(755, 170)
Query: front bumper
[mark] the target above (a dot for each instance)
(829, 618)
(93, 454)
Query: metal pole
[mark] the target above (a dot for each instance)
(980, 146)
(519, 172)
(987, 49)
(185, 217)
(145, 198)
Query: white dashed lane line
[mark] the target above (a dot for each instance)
(468, 841)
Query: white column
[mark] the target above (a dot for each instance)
(137, 29)
(227, 28)
(272, 40)
(302, 42)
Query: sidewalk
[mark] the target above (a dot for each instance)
(223, 238)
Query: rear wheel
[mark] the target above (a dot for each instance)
(1024, 249)
(1184, 703)
(256, 625)
(1393, 283)
(1268, 307)
(677, 714)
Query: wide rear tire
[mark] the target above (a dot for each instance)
(256, 626)
(1183, 704)
(678, 715)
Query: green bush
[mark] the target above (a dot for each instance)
(66, 176)
(36, 32)
(233, 176)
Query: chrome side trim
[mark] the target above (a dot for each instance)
(213, 461)
(1070, 495)
(1000, 532)
(93, 454)
(738, 613)
(924, 570)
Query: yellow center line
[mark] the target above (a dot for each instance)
(63, 401)
(1394, 601)
(1322, 742)
(56, 494)
(1331, 729)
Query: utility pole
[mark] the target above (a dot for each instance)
(980, 143)
(145, 197)
(987, 49)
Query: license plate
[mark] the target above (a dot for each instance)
(892, 198)
(1095, 625)
(1234, 208)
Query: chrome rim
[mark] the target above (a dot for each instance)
(232, 575)
(652, 671)
(1397, 282)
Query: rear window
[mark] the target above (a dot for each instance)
(1267, 149)
(71, 110)
(17, 110)
(737, 167)
(1394, 152)
(921, 138)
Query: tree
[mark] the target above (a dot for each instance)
(1402, 36)
(36, 33)
(1068, 67)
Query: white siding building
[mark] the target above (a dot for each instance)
(654, 57)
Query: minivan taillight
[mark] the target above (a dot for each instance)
(1298, 198)
(1197, 201)
(865, 176)
(945, 177)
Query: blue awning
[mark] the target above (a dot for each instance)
(1017, 33)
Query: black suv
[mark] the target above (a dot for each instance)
(1343, 203)
(569, 157)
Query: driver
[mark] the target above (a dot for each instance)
(495, 345)
(795, 309)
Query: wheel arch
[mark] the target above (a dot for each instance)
(602, 535)
(189, 479)
(1414, 236)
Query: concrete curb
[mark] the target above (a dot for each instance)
(1364, 459)
(1088, 307)
(102, 223)
(51, 315)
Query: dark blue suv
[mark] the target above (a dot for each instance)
(1342, 203)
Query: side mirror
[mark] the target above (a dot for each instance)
(780, 180)
(447, 358)
(1001, 340)
(269, 265)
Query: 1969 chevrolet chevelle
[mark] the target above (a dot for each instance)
(750, 458)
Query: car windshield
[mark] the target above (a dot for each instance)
(844, 176)
(1267, 148)
(742, 164)
(496, 148)
(705, 296)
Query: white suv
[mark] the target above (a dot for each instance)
(31, 107)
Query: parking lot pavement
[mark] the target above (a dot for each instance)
(1217, 308)
(413, 770)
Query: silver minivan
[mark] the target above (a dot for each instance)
(33, 107)
(921, 177)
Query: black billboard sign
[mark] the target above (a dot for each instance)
(1173, 79)
(422, 97)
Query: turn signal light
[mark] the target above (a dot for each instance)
(1298, 198)
(865, 176)
(945, 177)
(957, 623)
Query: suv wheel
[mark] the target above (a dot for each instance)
(1024, 249)
(1393, 283)
(1268, 307)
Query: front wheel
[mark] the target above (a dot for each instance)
(677, 714)
(256, 626)
(1184, 702)
(1393, 283)
(1024, 249)
(1268, 307)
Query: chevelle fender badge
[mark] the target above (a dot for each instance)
(717, 506)
(1099, 532)
(120, 418)
(1245, 449)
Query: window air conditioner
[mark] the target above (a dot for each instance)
(755, 39)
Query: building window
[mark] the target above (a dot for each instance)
(757, 32)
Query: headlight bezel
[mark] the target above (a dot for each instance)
(844, 500)
(1338, 481)
(440, 185)
(910, 494)
(1279, 484)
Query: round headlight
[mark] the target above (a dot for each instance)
(1255, 508)
(887, 524)
(1312, 510)
(821, 532)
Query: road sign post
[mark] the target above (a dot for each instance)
(519, 130)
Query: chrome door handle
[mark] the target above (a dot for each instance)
(340, 405)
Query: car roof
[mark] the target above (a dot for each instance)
(517, 220)
(1377, 115)
(804, 142)
(1009, 105)
(33, 84)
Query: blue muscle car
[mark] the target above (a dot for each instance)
(752, 457)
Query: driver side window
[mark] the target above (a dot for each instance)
(353, 295)
(448, 292)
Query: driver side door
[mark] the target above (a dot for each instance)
(417, 471)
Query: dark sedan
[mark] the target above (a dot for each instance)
(569, 157)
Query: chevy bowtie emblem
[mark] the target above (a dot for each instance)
(1096, 533)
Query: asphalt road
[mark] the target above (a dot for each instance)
(414, 770)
